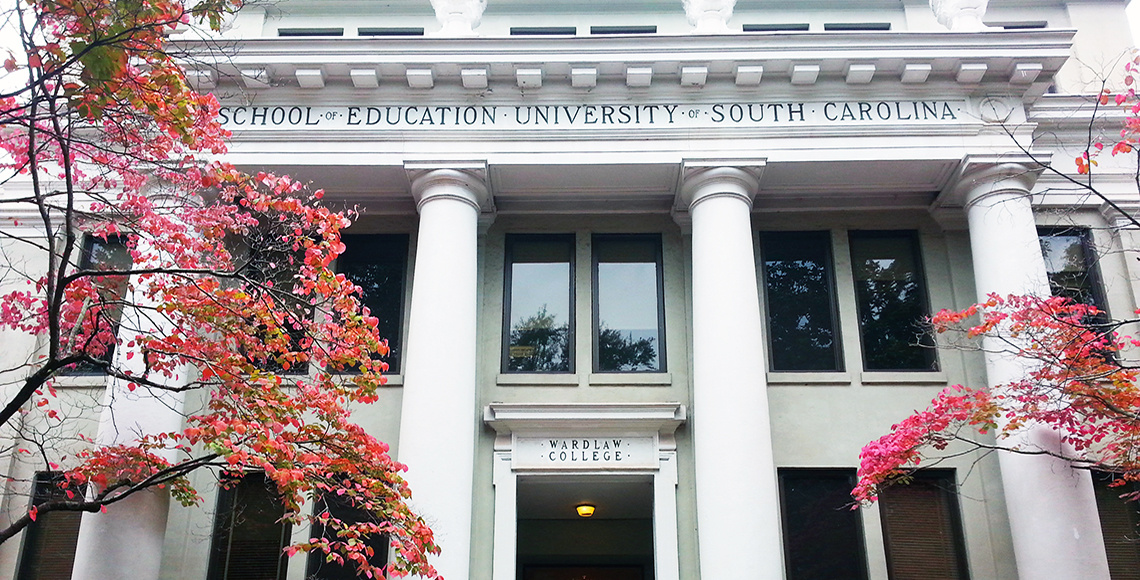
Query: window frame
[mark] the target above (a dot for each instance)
(832, 295)
(87, 262)
(401, 315)
(45, 487)
(923, 292)
(662, 366)
(936, 478)
(1089, 254)
(508, 279)
(849, 474)
(218, 563)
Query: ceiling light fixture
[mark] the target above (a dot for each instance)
(585, 510)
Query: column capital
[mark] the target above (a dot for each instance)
(709, 16)
(463, 181)
(458, 17)
(982, 176)
(705, 178)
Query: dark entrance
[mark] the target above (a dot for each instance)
(555, 543)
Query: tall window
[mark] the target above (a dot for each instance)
(922, 528)
(106, 255)
(318, 567)
(891, 301)
(823, 536)
(49, 542)
(539, 313)
(629, 311)
(1120, 525)
(801, 301)
(249, 537)
(1070, 264)
(378, 263)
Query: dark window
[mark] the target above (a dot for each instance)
(1120, 525)
(539, 309)
(249, 537)
(891, 301)
(109, 255)
(319, 568)
(823, 536)
(49, 542)
(801, 301)
(792, 27)
(391, 31)
(1027, 25)
(623, 29)
(310, 32)
(629, 311)
(543, 31)
(922, 528)
(1070, 263)
(852, 26)
(378, 263)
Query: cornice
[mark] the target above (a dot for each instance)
(1013, 62)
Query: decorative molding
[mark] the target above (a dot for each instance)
(661, 418)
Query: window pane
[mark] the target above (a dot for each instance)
(628, 310)
(823, 536)
(922, 529)
(378, 264)
(248, 538)
(1119, 521)
(798, 286)
(106, 255)
(892, 301)
(49, 542)
(540, 311)
(1069, 265)
(341, 508)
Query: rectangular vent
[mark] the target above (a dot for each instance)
(397, 31)
(623, 30)
(851, 26)
(543, 31)
(310, 32)
(1033, 25)
(793, 27)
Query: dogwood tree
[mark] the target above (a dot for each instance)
(1080, 375)
(171, 273)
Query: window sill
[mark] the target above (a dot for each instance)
(636, 379)
(903, 377)
(394, 380)
(809, 378)
(537, 380)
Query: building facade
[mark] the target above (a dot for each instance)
(667, 260)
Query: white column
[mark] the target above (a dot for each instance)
(960, 15)
(439, 416)
(505, 555)
(1052, 509)
(458, 17)
(126, 541)
(737, 502)
(709, 16)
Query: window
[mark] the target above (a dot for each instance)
(1119, 521)
(539, 313)
(629, 311)
(391, 31)
(891, 301)
(49, 542)
(649, 29)
(823, 536)
(1070, 264)
(378, 263)
(543, 31)
(318, 568)
(109, 255)
(249, 537)
(310, 32)
(801, 301)
(790, 27)
(922, 528)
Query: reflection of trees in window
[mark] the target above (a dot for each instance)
(538, 343)
(823, 536)
(629, 312)
(798, 285)
(891, 301)
(539, 303)
(1069, 262)
(378, 264)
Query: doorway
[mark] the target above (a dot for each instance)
(554, 542)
